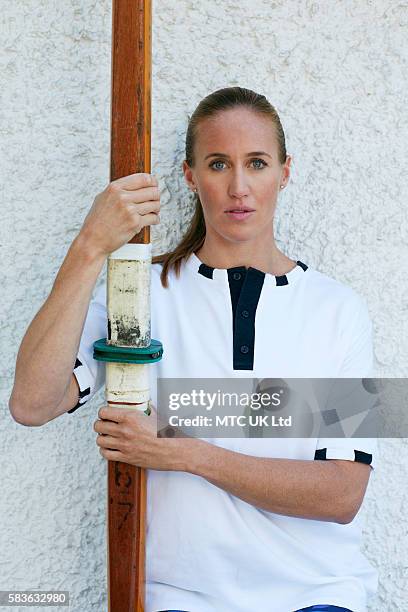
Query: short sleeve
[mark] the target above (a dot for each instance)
(357, 340)
(362, 450)
(358, 363)
(90, 374)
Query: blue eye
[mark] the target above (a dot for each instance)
(217, 161)
(262, 161)
(220, 161)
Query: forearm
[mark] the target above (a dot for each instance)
(306, 489)
(48, 350)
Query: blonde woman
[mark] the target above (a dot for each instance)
(233, 525)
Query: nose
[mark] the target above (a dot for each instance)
(238, 187)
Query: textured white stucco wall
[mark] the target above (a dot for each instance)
(337, 73)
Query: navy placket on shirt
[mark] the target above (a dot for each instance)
(245, 289)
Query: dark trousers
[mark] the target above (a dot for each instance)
(324, 608)
(317, 608)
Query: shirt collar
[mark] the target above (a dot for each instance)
(195, 265)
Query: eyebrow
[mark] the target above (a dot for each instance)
(247, 155)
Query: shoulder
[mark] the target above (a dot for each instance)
(156, 271)
(327, 287)
(174, 280)
(347, 304)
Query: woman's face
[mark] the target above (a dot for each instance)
(237, 169)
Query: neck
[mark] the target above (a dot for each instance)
(261, 254)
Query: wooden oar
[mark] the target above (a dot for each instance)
(129, 318)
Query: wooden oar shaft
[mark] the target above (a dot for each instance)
(131, 91)
(130, 153)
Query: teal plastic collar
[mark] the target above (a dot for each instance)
(125, 354)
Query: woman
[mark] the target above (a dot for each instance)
(234, 525)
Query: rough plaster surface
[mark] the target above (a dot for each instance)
(337, 73)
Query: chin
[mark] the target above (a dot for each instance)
(239, 235)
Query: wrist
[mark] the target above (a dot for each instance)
(82, 248)
(195, 455)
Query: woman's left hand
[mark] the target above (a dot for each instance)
(130, 436)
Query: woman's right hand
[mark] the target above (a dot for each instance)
(122, 210)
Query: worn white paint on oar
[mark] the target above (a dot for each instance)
(128, 306)
(129, 295)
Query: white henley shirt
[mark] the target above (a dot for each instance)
(207, 550)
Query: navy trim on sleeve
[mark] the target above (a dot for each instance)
(82, 392)
(302, 265)
(320, 454)
(359, 456)
(363, 457)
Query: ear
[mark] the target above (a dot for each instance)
(188, 175)
(286, 170)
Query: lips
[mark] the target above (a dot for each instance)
(239, 214)
(240, 210)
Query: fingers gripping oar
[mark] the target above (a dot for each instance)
(128, 350)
